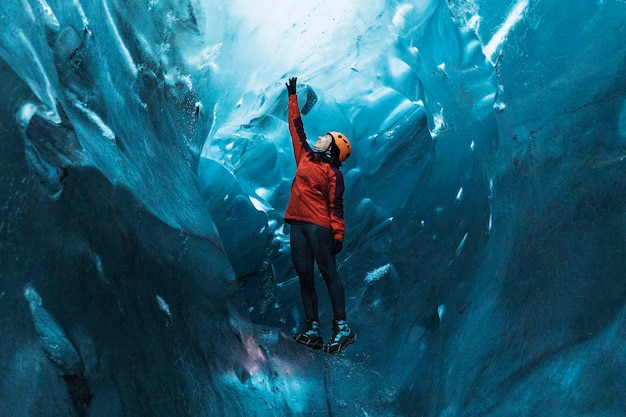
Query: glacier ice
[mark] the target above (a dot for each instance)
(146, 165)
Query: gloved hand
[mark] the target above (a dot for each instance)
(291, 85)
(337, 246)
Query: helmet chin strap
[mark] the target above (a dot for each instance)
(323, 152)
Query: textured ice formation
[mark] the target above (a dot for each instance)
(145, 268)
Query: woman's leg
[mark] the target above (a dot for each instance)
(302, 257)
(321, 242)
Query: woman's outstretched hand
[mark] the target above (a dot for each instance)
(291, 85)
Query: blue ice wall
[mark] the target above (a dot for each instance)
(146, 164)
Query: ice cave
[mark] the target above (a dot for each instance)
(146, 164)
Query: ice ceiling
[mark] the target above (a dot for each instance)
(146, 165)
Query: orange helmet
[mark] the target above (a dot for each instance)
(342, 142)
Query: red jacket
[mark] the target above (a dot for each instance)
(317, 189)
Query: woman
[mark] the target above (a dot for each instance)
(315, 213)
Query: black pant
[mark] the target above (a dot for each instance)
(312, 243)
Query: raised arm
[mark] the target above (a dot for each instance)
(296, 129)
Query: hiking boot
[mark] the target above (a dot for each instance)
(311, 337)
(342, 337)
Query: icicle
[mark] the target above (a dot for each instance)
(53, 339)
(460, 247)
(459, 196)
(441, 310)
(165, 308)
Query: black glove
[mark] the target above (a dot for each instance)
(337, 246)
(291, 85)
